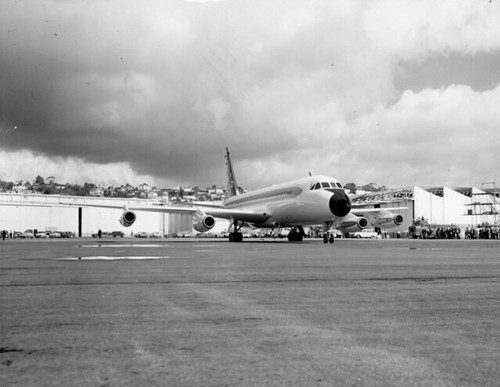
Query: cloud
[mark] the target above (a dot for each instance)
(415, 29)
(159, 89)
(26, 165)
(431, 132)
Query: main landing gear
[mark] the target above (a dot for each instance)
(236, 235)
(296, 234)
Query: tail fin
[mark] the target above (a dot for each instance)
(232, 186)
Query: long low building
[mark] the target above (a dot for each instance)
(462, 207)
(43, 212)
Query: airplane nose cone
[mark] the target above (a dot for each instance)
(340, 204)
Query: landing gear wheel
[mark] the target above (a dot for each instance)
(235, 237)
(295, 237)
(325, 238)
(331, 239)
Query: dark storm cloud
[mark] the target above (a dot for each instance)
(110, 87)
(162, 87)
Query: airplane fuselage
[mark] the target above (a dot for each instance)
(295, 203)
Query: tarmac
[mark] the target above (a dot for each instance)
(206, 312)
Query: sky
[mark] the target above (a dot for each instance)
(396, 92)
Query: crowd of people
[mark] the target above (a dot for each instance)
(482, 232)
(421, 229)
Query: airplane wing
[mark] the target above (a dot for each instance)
(233, 214)
(215, 211)
(172, 209)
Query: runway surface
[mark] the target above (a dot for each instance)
(260, 313)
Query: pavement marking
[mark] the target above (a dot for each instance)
(108, 258)
(130, 245)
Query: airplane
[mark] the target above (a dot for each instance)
(309, 201)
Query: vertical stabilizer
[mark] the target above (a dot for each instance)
(232, 186)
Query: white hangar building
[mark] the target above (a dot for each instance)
(442, 206)
(48, 215)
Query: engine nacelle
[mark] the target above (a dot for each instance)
(203, 222)
(128, 218)
(353, 224)
(391, 220)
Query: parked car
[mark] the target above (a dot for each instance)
(28, 234)
(337, 233)
(366, 233)
(41, 234)
(206, 235)
(141, 234)
(55, 234)
(108, 234)
(281, 233)
(104, 234)
(155, 235)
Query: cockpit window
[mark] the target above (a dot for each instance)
(326, 185)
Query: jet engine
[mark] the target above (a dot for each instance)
(388, 221)
(203, 222)
(354, 223)
(128, 218)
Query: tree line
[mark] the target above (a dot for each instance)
(50, 187)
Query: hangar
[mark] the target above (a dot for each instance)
(439, 206)
(48, 215)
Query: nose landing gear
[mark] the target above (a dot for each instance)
(328, 237)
